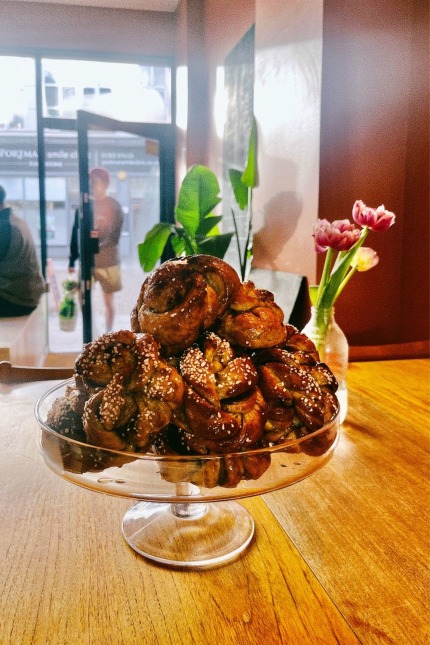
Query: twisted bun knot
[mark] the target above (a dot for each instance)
(133, 392)
(132, 356)
(253, 320)
(231, 469)
(223, 409)
(300, 394)
(226, 470)
(107, 415)
(182, 298)
(301, 346)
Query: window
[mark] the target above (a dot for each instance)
(18, 102)
(122, 91)
(137, 92)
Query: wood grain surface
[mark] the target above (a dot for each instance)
(341, 557)
(366, 535)
(68, 577)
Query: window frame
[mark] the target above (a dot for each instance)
(58, 123)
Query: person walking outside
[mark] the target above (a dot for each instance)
(108, 221)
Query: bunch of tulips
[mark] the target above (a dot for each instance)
(342, 242)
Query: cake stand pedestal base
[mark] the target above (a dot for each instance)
(188, 535)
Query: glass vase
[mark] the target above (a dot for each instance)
(333, 349)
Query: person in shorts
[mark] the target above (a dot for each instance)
(108, 221)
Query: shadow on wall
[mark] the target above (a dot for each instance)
(280, 217)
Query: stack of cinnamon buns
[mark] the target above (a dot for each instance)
(208, 367)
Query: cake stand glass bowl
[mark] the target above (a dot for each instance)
(184, 517)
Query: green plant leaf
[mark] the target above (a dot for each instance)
(216, 245)
(236, 232)
(151, 249)
(196, 228)
(208, 225)
(239, 188)
(198, 196)
(250, 174)
(178, 245)
(189, 243)
(67, 307)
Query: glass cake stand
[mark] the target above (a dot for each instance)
(184, 517)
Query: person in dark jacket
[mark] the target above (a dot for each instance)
(21, 281)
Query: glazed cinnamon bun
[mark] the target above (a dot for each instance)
(182, 298)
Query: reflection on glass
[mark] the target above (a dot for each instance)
(133, 165)
(18, 100)
(123, 91)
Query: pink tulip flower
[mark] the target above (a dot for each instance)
(365, 259)
(377, 219)
(339, 235)
(343, 237)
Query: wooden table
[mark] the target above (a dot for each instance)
(363, 523)
(338, 558)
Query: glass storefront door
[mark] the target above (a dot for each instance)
(132, 161)
(40, 172)
(140, 161)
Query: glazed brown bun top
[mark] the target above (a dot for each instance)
(182, 298)
(131, 392)
(253, 320)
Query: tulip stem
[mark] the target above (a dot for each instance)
(326, 270)
(330, 291)
(344, 282)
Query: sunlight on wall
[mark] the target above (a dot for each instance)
(287, 103)
(182, 97)
(220, 102)
(289, 94)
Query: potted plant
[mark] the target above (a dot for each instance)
(196, 227)
(68, 310)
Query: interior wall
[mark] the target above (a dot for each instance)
(204, 39)
(225, 24)
(194, 57)
(415, 285)
(374, 138)
(341, 100)
(288, 42)
(288, 58)
(181, 46)
(69, 27)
